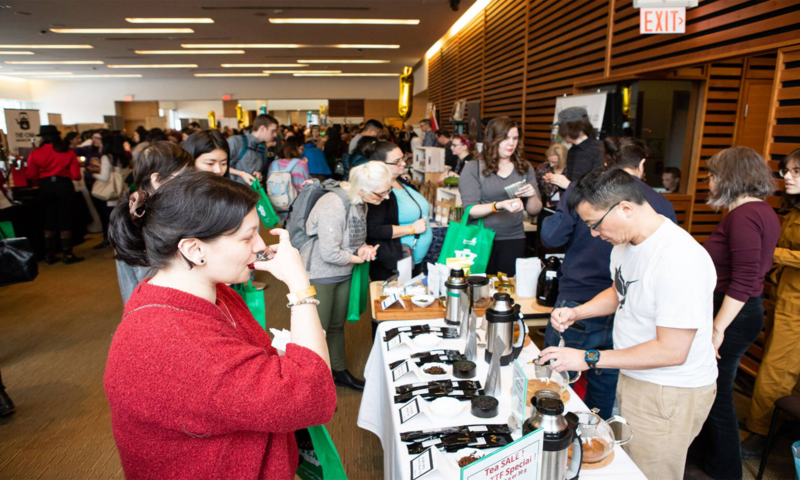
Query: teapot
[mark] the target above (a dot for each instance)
(600, 436)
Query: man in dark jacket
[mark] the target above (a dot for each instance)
(586, 152)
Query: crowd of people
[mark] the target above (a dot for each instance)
(661, 320)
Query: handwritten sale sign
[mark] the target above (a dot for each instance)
(521, 459)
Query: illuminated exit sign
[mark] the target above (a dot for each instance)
(662, 20)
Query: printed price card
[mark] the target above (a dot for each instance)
(400, 370)
(422, 465)
(409, 410)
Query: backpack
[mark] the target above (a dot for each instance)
(280, 190)
(300, 209)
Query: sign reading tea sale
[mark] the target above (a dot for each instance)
(662, 20)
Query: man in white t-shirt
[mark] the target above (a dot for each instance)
(663, 299)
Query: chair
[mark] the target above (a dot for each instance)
(789, 405)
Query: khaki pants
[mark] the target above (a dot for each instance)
(665, 420)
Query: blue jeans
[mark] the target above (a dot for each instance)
(601, 391)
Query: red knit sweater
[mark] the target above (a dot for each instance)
(194, 397)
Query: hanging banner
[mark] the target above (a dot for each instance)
(594, 103)
(23, 125)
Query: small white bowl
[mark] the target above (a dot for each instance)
(426, 341)
(448, 371)
(446, 407)
(423, 301)
(465, 452)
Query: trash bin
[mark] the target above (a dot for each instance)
(796, 455)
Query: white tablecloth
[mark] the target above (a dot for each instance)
(379, 414)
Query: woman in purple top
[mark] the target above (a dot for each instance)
(741, 247)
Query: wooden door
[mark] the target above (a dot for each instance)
(754, 116)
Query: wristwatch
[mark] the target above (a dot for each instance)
(591, 358)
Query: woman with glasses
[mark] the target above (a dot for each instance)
(742, 248)
(337, 230)
(399, 225)
(463, 147)
(483, 186)
(780, 366)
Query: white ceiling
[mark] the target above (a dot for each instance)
(236, 21)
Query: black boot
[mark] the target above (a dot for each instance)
(66, 249)
(343, 378)
(753, 446)
(50, 250)
(6, 405)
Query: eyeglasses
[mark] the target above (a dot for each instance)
(383, 194)
(594, 227)
(784, 171)
(454, 145)
(395, 162)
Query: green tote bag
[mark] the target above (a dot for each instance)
(468, 241)
(319, 459)
(359, 291)
(264, 208)
(254, 300)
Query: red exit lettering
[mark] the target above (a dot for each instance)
(662, 20)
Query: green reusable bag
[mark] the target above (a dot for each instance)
(7, 230)
(254, 300)
(359, 290)
(468, 241)
(319, 459)
(264, 208)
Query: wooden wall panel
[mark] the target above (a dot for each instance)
(563, 48)
(470, 60)
(449, 82)
(435, 79)
(715, 29)
(784, 122)
(504, 59)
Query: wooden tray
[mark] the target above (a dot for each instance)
(413, 312)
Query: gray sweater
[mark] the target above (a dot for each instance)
(478, 191)
(335, 236)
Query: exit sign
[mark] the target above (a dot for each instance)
(662, 20)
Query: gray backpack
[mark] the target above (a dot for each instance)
(300, 209)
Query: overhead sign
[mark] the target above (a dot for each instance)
(662, 20)
(23, 125)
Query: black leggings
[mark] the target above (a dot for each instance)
(57, 198)
(504, 256)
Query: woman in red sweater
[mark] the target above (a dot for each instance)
(195, 387)
(55, 166)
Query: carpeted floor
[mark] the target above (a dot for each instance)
(54, 339)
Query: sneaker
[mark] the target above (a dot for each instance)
(753, 446)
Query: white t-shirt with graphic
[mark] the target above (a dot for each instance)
(666, 281)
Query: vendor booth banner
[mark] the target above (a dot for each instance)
(23, 125)
(594, 103)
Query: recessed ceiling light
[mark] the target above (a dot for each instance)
(16, 53)
(188, 52)
(282, 45)
(343, 61)
(344, 21)
(121, 30)
(169, 20)
(304, 71)
(61, 62)
(262, 65)
(50, 47)
(40, 73)
(164, 65)
(94, 76)
(231, 75)
(331, 74)
(12, 79)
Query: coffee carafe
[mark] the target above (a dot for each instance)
(560, 431)
(455, 285)
(547, 288)
(500, 317)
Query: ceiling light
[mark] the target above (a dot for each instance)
(343, 61)
(12, 79)
(94, 76)
(331, 74)
(16, 53)
(187, 52)
(344, 21)
(169, 20)
(262, 65)
(231, 74)
(163, 65)
(51, 47)
(61, 62)
(281, 45)
(121, 30)
(304, 71)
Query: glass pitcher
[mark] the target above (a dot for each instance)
(600, 436)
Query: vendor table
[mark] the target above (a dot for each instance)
(380, 415)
